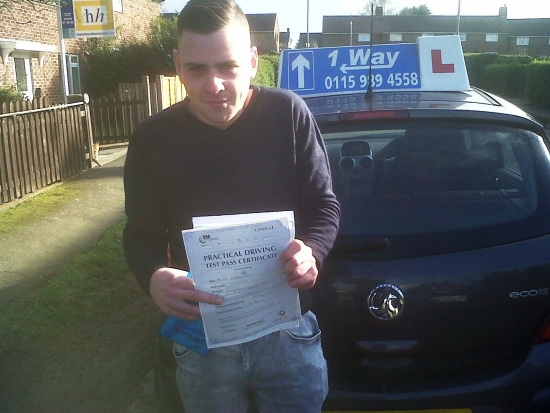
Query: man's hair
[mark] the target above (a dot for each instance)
(209, 16)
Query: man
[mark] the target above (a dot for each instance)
(231, 148)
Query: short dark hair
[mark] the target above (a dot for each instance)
(209, 16)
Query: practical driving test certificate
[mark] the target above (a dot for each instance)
(241, 263)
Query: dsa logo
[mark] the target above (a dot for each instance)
(203, 239)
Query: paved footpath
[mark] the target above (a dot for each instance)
(40, 248)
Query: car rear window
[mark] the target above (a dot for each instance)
(458, 185)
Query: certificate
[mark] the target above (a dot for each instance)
(241, 263)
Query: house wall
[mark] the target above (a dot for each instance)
(477, 43)
(475, 28)
(265, 42)
(22, 22)
(331, 40)
(134, 21)
(538, 47)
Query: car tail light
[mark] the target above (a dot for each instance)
(544, 336)
(375, 114)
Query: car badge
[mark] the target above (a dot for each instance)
(386, 302)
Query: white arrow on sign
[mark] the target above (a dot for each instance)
(300, 63)
(345, 68)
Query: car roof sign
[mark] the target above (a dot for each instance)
(434, 63)
(442, 66)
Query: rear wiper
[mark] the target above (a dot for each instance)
(362, 244)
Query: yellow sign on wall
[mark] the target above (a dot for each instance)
(94, 18)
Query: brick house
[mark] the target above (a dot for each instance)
(479, 34)
(285, 40)
(264, 31)
(30, 45)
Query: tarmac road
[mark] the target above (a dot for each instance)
(40, 248)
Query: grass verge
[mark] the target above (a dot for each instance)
(38, 206)
(87, 326)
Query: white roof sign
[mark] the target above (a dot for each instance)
(442, 66)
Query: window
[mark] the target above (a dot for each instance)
(117, 6)
(522, 41)
(491, 37)
(443, 179)
(23, 78)
(462, 37)
(364, 37)
(396, 37)
(73, 74)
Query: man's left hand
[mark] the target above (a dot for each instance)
(301, 267)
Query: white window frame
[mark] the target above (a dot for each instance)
(117, 6)
(522, 41)
(491, 37)
(28, 93)
(363, 37)
(73, 74)
(396, 37)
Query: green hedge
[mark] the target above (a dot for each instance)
(475, 64)
(506, 79)
(478, 63)
(538, 83)
(268, 70)
(511, 76)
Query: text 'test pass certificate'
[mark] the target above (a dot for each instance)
(242, 264)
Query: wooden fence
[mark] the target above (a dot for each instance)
(115, 118)
(40, 145)
(157, 95)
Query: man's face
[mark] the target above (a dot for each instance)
(216, 70)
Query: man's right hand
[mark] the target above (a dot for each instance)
(174, 292)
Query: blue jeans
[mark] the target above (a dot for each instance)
(282, 372)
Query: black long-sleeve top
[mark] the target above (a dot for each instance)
(272, 158)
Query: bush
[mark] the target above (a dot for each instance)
(477, 65)
(9, 94)
(106, 65)
(107, 62)
(268, 70)
(505, 79)
(163, 36)
(538, 83)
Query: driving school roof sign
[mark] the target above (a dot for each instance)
(434, 63)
